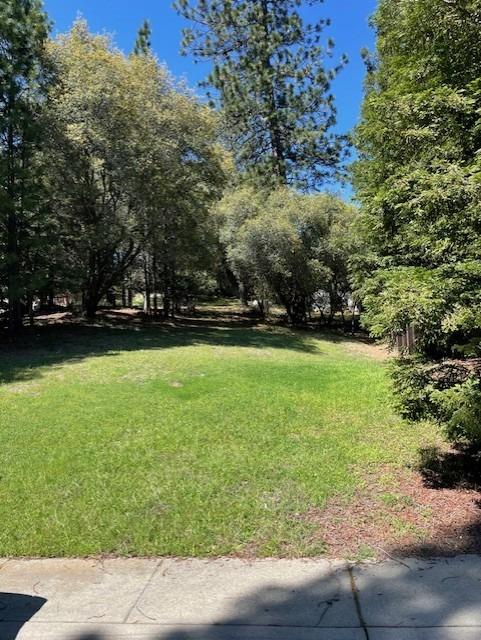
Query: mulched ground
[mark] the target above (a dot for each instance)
(405, 512)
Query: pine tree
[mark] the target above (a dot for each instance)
(271, 83)
(23, 79)
(143, 44)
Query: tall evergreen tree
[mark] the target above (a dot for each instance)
(418, 173)
(143, 43)
(23, 79)
(418, 181)
(273, 87)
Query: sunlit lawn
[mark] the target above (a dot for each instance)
(192, 441)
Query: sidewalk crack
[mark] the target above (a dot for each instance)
(146, 585)
(357, 602)
(328, 604)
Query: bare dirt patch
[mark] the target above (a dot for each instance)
(368, 349)
(397, 512)
(26, 388)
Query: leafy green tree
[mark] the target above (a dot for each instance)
(237, 207)
(94, 112)
(286, 246)
(272, 85)
(418, 177)
(343, 245)
(137, 164)
(24, 77)
(180, 171)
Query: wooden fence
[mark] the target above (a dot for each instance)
(406, 341)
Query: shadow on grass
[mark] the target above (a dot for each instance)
(71, 341)
(456, 469)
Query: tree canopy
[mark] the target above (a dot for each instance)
(137, 162)
(143, 44)
(118, 180)
(418, 177)
(418, 173)
(270, 80)
(288, 247)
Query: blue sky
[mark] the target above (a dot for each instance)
(122, 18)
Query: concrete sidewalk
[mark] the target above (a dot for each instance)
(238, 600)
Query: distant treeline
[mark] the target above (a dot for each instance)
(116, 179)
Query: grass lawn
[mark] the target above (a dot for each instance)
(204, 439)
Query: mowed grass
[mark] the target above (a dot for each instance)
(206, 439)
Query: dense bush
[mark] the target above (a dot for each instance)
(448, 392)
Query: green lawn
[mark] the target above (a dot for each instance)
(206, 439)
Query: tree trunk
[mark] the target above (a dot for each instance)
(262, 308)
(30, 308)
(298, 311)
(243, 294)
(15, 319)
(277, 145)
(90, 306)
(15, 316)
(146, 287)
(166, 305)
(154, 283)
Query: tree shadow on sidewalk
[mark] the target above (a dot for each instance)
(398, 599)
(16, 609)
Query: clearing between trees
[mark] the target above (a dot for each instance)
(213, 435)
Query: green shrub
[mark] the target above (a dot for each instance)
(448, 392)
(411, 387)
(459, 410)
